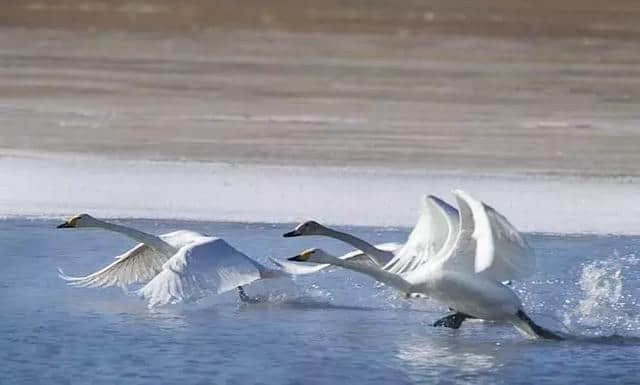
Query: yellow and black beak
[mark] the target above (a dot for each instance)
(292, 233)
(302, 257)
(65, 225)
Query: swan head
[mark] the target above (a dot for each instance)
(312, 255)
(305, 228)
(80, 220)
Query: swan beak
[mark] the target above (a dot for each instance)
(293, 233)
(302, 257)
(65, 225)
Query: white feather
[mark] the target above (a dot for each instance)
(427, 238)
(205, 267)
(500, 251)
(137, 265)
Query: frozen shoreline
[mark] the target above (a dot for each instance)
(64, 185)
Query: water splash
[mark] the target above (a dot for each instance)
(607, 300)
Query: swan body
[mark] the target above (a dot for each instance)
(177, 267)
(465, 272)
(207, 266)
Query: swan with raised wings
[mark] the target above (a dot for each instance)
(465, 274)
(177, 267)
(436, 230)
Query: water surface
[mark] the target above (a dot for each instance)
(327, 328)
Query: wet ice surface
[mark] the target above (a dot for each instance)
(62, 186)
(331, 327)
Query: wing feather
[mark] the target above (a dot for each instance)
(460, 256)
(137, 265)
(501, 251)
(427, 238)
(487, 244)
(200, 269)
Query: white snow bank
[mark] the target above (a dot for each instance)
(57, 187)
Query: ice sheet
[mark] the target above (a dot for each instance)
(62, 186)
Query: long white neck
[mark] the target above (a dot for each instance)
(380, 257)
(393, 280)
(150, 240)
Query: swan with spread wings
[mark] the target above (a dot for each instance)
(465, 273)
(180, 266)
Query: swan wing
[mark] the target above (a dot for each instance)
(138, 264)
(458, 254)
(299, 268)
(452, 219)
(501, 251)
(430, 234)
(205, 267)
(181, 238)
(486, 244)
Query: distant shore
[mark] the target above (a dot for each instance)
(493, 18)
(346, 111)
(565, 107)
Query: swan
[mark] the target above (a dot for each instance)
(464, 275)
(436, 229)
(177, 267)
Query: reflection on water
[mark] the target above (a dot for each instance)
(432, 354)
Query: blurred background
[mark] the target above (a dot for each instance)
(500, 86)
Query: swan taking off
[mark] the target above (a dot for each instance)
(465, 274)
(180, 266)
(436, 230)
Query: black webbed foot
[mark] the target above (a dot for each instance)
(245, 298)
(452, 321)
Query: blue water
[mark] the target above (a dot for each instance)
(329, 328)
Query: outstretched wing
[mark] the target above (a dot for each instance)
(501, 252)
(137, 265)
(437, 223)
(298, 268)
(487, 244)
(460, 255)
(200, 269)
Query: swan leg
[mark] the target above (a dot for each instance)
(452, 321)
(245, 298)
(537, 329)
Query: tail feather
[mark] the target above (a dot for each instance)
(538, 330)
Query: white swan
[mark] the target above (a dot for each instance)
(436, 230)
(465, 275)
(176, 267)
